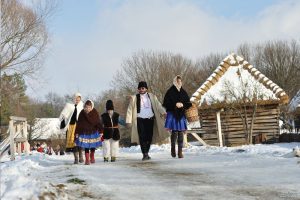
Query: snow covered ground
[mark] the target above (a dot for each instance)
(247, 172)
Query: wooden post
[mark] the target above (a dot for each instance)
(26, 144)
(220, 137)
(12, 142)
(19, 144)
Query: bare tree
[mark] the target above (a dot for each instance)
(246, 51)
(206, 65)
(279, 60)
(24, 35)
(54, 103)
(13, 98)
(156, 68)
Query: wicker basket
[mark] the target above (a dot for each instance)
(191, 114)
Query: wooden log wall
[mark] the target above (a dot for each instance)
(266, 123)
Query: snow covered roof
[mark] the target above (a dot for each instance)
(235, 78)
(44, 128)
(295, 102)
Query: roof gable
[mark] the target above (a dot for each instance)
(232, 79)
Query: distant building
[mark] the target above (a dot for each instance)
(45, 129)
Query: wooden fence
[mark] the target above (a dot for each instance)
(17, 139)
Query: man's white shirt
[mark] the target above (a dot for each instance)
(146, 107)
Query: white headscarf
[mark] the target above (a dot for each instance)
(77, 94)
(175, 83)
(91, 102)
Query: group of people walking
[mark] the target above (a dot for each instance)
(150, 122)
(87, 130)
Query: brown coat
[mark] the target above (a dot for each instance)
(88, 123)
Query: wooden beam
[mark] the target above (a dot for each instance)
(20, 140)
(17, 118)
(199, 138)
(12, 142)
(219, 128)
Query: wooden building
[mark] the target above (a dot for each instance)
(238, 105)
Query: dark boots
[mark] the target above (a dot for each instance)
(180, 144)
(145, 147)
(179, 137)
(75, 157)
(173, 151)
(80, 155)
(180, 155)
(87, 158)
(173, 143)
(146, 157)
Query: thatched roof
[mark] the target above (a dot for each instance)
(231, 72)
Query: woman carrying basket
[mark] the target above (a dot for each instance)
(176, 101)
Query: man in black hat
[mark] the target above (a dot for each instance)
(144, 116)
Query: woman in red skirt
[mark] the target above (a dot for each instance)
(88, 131)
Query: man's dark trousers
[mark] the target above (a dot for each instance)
(145, 131)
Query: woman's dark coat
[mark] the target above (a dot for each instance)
(88, 123)
(174, 96)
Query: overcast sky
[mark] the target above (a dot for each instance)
(90, 39)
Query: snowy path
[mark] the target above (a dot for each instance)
(250, 172)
